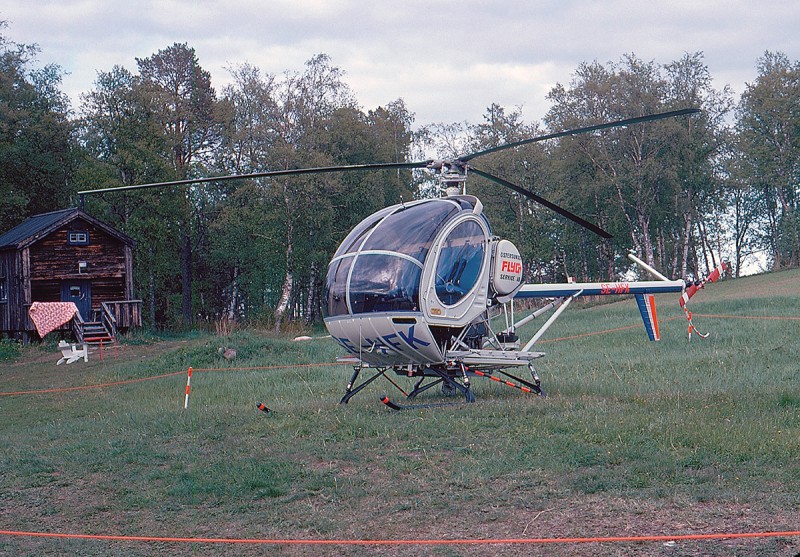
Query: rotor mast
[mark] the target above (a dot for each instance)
(451, 175)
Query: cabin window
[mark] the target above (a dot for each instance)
(335, 288)
(460, 261)
(77, 238)
(3, 289)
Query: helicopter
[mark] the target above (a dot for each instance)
(413, 288)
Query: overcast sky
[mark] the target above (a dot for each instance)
(447, 60)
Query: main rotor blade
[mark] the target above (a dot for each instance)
(542, 201)
(270, 173)
(615, 124)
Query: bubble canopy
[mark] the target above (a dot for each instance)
(378, 267)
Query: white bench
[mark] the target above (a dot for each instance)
(72, 352)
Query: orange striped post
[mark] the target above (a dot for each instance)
(188, 389)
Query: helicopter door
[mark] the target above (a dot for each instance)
(459, 270)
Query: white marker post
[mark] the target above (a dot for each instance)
(188, 389)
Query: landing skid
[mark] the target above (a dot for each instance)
(448, 383)
(353, 389)
(525, 386)
(436, 377)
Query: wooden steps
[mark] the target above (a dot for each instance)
(94, 332)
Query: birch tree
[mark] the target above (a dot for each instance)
(769, 138)
(647, 178)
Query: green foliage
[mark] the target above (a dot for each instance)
(9, 350)
(648, 184)
(271, 232)
(37, 150)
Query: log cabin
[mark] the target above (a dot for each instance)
(68, 256)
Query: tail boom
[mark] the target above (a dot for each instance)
(600, 288)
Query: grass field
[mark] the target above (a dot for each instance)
(635, 438)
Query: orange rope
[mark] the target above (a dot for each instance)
(593, 333)
(151, 378)
(756, 317)
(96, 386)
(603, 332)
(256, 368)
(608, 539)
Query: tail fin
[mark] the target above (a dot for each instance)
(647, 307)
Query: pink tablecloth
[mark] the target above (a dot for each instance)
(47, 316)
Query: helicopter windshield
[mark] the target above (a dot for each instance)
(411, 230)
(383, 282)
(378, 267)
(353, 240)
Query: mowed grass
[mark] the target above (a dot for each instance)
(634, 438)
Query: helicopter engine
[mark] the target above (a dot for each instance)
(414, 278)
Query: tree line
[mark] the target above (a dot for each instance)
(681, 193)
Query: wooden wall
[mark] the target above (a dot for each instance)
(103, 290)
(53, 259)
(13, 266)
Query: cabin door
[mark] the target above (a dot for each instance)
(79, 292)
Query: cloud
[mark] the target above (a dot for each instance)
(448, 60)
